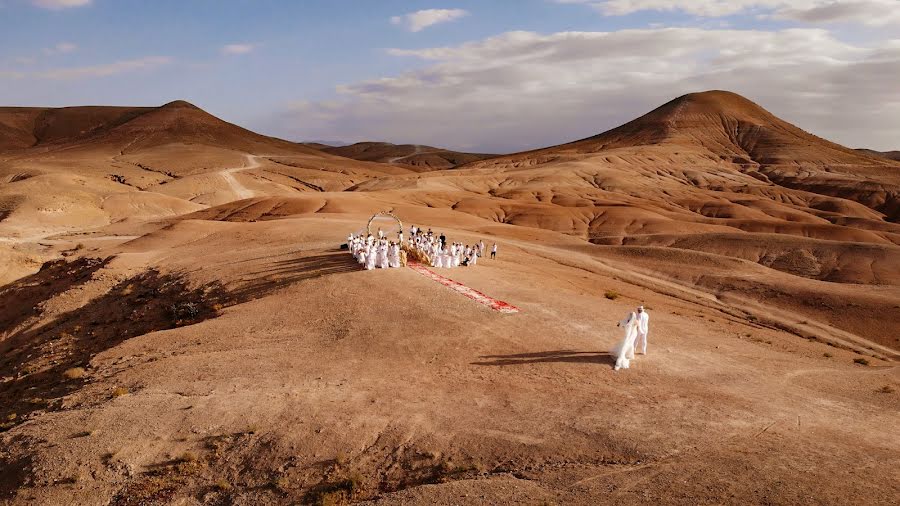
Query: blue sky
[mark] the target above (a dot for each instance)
(484, 75)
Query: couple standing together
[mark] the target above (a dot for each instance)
(636, 325)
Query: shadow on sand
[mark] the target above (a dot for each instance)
(276, 275)
(569, 356)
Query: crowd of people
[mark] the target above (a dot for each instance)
(376, 253)
(435, 251)
(379, 252)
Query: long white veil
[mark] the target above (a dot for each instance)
(623, 351)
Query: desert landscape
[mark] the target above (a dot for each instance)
(179, 324)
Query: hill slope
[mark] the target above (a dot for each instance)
(890, 155)
(420, 157)
(129, 129)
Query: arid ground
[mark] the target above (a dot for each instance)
(178, 323)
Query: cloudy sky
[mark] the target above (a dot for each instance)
(478, 75)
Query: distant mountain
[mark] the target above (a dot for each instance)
(319, 144)
(726, 128)
(890, 155)
(415, 155)
(129, 129)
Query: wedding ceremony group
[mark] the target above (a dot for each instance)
(379, 251)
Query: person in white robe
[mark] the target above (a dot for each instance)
(370, 257)
(437, 258)
(643, 320)
(445, 258)
(623, 352)
(383, 253)
(395, 256)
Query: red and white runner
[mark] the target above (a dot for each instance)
(496, 305)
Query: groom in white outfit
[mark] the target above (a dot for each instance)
(643, 320)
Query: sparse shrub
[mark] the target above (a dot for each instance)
(827, 355)
(223, 485)
(860, 361)
(752, 318)
(84, 433)
(119, 391)
(887, 389)
(282, 483)
(184, 311)
(333, 498)
(187, 457)
(339, 492)
(74, 373)
(611, 294)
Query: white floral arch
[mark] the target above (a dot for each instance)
(384, 214)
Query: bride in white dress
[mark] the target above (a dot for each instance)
(624, 350)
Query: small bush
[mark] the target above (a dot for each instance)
(184, 311)
(282, 483)
(339, 492)
(223, 485)
(887, 389)
(827, 355)
(860, 361)
(611, 294)
(119, 392)
(74, 373)
(187, 457)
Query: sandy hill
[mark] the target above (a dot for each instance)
(178, 323)
(719, 126)
(129, 129)
(76, 168)
(891, 155)
(422, 158)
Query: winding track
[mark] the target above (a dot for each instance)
(252, 162)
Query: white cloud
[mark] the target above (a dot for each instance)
(103, 70)
(868, 12)
(60, 4)
(520, 90)
(62, 47)
(238, 49)
(419, 20)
